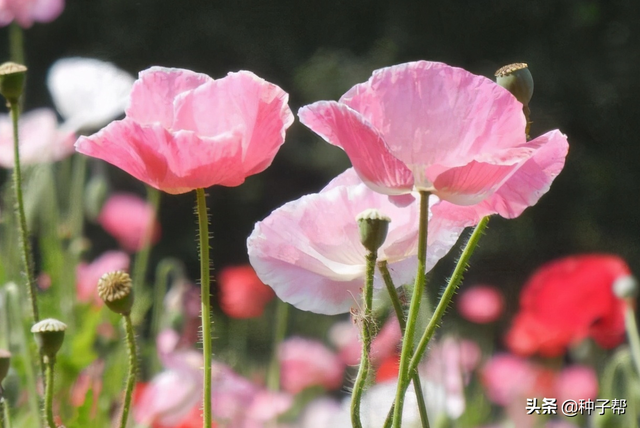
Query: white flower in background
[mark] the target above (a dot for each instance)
(88, 93)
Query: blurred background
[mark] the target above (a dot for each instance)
(583, 54)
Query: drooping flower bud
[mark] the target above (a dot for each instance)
(49, 335)
(5, 359)
(373, 229)
(12, 77)
(626, 287)
(115, 289)
(517, 79)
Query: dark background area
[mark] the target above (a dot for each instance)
(584, 56)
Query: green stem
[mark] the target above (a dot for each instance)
(2, 409)
(367, 324)
(142, 257)
(203, 223)
(632, 334)
(166, 267)
(397, 306)
(76, 204)
(407, 344)
(27, 259)
(450, 290)
(48, 398)
(133, 370)
(16, 43)
(282, 316)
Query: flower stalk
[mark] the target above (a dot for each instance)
(280, 331)
(133, 370)
(205, 284)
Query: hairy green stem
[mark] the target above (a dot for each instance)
(632, 334)
(48, 395)
(205, 280)
(368, 330)
(133, 370)
(397, 306)
(280, 331)
(142, 257)
(404, 373)
(2, 409)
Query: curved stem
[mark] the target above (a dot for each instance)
(397, 306)
(632, 334)
(203, 223)
(48, 398)
(142, 257)
(27, 258)
(280, 331)
(447, 295)
(133, 370)
(367, 324)
(407, 343)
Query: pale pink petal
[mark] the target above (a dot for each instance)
(231, 394)
(40, 139)
(243, 102)
(348, 129)
(88, 93)
(576, 383)
(154, 93)
(172, 163)
(46, 10)
(481, 304)
(87, 275)
(430, 113)
(307, 362)
(25, 12)
(267, 405)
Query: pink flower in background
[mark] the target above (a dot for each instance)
(185, 130)
(345, 336)
(481, 304)
(567, 300)
(309, 250)
(26, 12)
(41, 140)
(87, 275)
(576, 383)
(428, 126)
(307, 362)
(242, 294)
(128, 218)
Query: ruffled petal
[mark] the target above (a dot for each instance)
(344, 127)
(154, 93)
(242, 101)
(172, 163)
(430, 113)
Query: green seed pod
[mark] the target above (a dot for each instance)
(373, 229)
(115, 289)
(5, 359)
(12, 77)
(517, 79)
(49, 335)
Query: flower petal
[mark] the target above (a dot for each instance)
(242, 101)
(346, 128)
(172, 163)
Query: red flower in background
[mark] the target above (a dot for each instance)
(566, 301)
(242, 294)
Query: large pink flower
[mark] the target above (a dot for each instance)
(25, 12)
(41, 140)
(428, 126)
(185, 130)
(309, 250)
(128, 218)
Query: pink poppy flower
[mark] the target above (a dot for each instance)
(567, 300)
(184, 130)
(25, 12)
(428, 126)
(576, 383)
(87, 275)
(128, 218)
(481, 304)
(309, 250)
(242, 294)
(41, 140)
(305, 363)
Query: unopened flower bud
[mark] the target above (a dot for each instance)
(115, 289)
(517, 79)
(373, 229)
(5, 359)
(49, 335)
(12, 81)
(625, 287)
